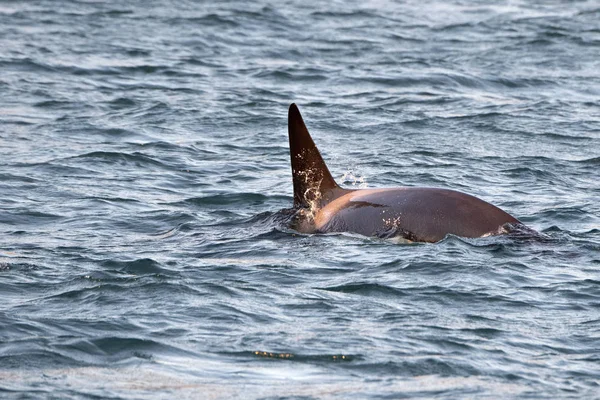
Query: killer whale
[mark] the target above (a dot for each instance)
(418, 214)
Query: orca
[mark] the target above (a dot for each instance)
(416, 214)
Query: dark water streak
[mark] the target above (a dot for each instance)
(144, 159)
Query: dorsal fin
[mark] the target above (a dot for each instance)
(313, 183)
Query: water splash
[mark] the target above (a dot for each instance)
(357, 181)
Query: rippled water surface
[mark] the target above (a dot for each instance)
(144, 163)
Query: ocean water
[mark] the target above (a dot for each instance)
(144, 165)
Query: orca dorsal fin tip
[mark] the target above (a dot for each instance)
(313, 183)
(294, 112)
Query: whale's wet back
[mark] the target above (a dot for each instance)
(416, 214)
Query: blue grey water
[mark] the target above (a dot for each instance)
(144, 164)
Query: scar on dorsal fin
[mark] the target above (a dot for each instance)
(313, 183)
